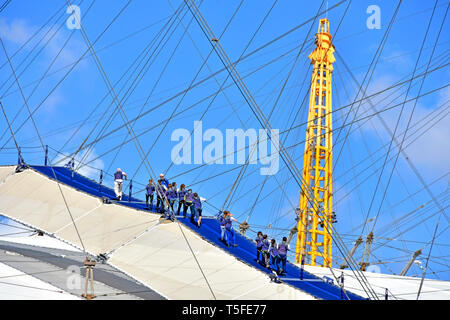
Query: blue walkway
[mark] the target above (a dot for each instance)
(210, 231)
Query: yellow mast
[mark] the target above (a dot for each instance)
(314, 237)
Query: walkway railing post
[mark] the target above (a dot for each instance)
(342, 286)
(302, 268)
(101, 181)
(386, 294)
(130, 190)
(46, 155)
(19, 157)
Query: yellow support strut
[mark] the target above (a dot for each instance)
(314, 237)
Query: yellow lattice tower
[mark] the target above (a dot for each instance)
(314, 237)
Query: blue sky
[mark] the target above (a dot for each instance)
(357, 170)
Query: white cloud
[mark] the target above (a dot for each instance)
(89, 170)
(430, 151)
(16, 31)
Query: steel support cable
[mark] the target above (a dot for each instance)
(217, 82)
(180, 93)
(410, 136)
(147, 130)
(365, 144)
(190, 170)
(32, 36)
(4, 5)
(416, 225)
(42, 144)
(50, 65)
(190, 86)
(138, 78)
(244, 168)
(411, 114)
(141, 56)
(40, 139)
(268, 81)
(10, 129)
(185, 172)
(98, 50)
(247, 95)
(291, 70)
(416, 172)
(64, 77)
(372, 164)
(413, 214)
(352, 164)
(387, 227)
(298, 55)
(144, 69)
(296, 144)
(124, 117)
(260, 48)
(368, 75)
(29, 53)
(353, 170)
(35, 55)
(301, 50)
(376, 170)
(153, 88)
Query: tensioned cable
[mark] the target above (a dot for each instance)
(42, 144)
(168, 100)
(65, 76)
(191, 85)
(247, 95)
(50, 65)
(124, 117)
(152, 90)
(144, 69)
(251, 53)
(401, 112)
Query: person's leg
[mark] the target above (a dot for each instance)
(146, 200)
(192, 212)
(199, 221)
(120, 190)
(222, 232)
(158, 203)
(179, 207)
(185, 207)
(151, 201)
(258, 251)
(116, 189)
(233, 238)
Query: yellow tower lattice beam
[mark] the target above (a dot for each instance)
(314, 237)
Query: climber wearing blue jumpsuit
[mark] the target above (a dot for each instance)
(274, 257)
(265, 251)
(181, 194)
(259, 245)
(283, 248)
(188, 203)
(150, 190)
(229, 230)
(197, 203)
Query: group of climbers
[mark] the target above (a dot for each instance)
(268, 253)
(168, 195)
(272, 255)
(227, 235)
